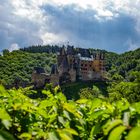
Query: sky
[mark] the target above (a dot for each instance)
(113, 25)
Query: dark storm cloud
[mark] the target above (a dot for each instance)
(84, 29)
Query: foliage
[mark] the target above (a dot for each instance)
(117, 78)
(84, 89)
(17, 66)
(124, 63)
(42, 49)
(56, 118)
(90, 93)
(128, 90)
(133, 76)
(5, 52)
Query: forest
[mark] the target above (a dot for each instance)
(18, 65)
(108, 110)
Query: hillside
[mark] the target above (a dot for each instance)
(124, 63)
(17, 66)
(77, 111)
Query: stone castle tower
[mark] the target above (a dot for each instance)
(65, 61)
(73, 64)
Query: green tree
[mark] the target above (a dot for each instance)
(5, 52)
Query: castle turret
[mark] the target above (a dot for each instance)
(98, 65)
(54, 78)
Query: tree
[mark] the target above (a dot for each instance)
(118, 78)
(5, 52)
(134, 76)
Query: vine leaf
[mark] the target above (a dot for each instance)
(116, 133)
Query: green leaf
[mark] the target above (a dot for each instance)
(43, 113)
(52, 118)
(61, 120)
(4, 115)
(122, 105)
(2, 90)
(53, 136)
(6, 123)
(134, 134)
(82, 101)
(62, 97)
(136, 107)
(6, 136)
(66, 113)
(66, 134)
(25, 135)
(95, 129)
(72, 109)
(111, 125)
(46, 103)
(96, 103)
(72, 131)
(116, 133)
(97, 114)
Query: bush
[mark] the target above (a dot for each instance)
(56, 118)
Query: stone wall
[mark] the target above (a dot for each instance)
(72, 73)
(39, 80)
(54, 79)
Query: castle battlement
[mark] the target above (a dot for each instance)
(73, 64)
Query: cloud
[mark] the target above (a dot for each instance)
(105, 24)
(16, 28)
(84, 29)
(132, 45)
(14, 47)
(51, 38)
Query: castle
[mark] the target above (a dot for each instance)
(73, 64)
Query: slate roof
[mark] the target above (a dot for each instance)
(70, 50)
(84, 52)
(62, 51)
(39, 70)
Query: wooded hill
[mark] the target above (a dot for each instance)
(18, 65)
(77, 111)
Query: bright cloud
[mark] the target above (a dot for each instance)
(50, 38)
(105, 24)
(14, 47)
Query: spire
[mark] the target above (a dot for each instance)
(70, 50)
(63, 51)
(65, 63)
(102, 56)
(54, 69)
(97, 56)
